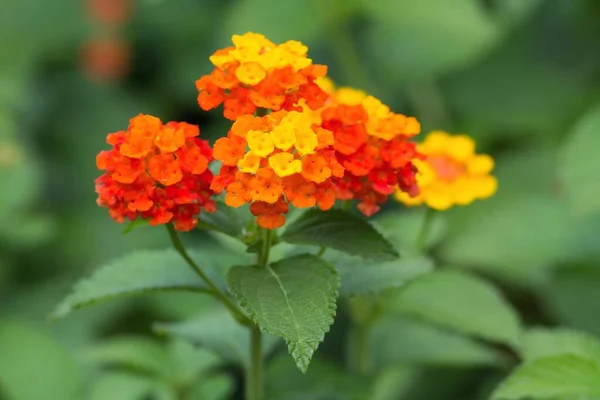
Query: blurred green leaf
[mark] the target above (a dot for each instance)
(341, 231)
(417, 39)
(513, 12)
(360, 277)
(294, 298)
(402, 228)
(565, 377)
(33, 366)
(324, 381)
(573, 297)
(187, 363)
(228, 220)
(219, 332)
(460, 302)
(214, 388)
(524, 89)
(392, 382)
(542, 343)
(516, 239)
(580, 163)
(400, 340)
(136, 353)
(121, 386)
(134, 274)
(278, 21)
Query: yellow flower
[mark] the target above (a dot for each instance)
(451, 173)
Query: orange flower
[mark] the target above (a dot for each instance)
(451, 173)
(105, 59)
(275, 160)
(372, 144)
(156, 172)
(255, 72)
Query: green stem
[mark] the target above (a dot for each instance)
(254, 376)
(214, 290)
(321, 251)
(267, 238)
(425, 228)
(429, 103)
(361, 347)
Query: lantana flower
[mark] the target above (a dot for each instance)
(274, 160)
(156, 171)
(372, 144)
(451, 173)
(256, 73)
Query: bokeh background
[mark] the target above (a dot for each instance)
(521, 76)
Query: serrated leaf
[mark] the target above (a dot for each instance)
(580, 162)
(227, 220)
(137, 353)
(401, 340)
(341, 231)
(134, 274)
(541, 343)
(359, 276)
(463, 303)
(565, 377)
(294, 298)
(219, 332)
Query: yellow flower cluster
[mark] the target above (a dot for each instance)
(257, 55)
(451, 173)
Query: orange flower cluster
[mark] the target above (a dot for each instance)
(371, 142)
(156, 172)
(255, 72)
(275, 160)
(106, 56)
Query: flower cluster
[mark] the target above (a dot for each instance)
(371, 142)
(275, 160)
(295, 139)
(451, 174)
(255, 72)
(156, 171)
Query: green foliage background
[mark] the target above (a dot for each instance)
(521, 76)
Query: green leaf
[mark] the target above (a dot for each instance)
(565, 377)
(219, 332)
(542, 343)
(294, 298)
(360, 277)
(187, 362)
(121, 386)
(574, 299)
(214, 388)
(400, 340)
(341, 231)
(136, 353)
(428, 37)
(324, 381)
(34, 366)
(579, 164)
(463, 303)
(227, 220)
(276, 20)
(134, 274)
